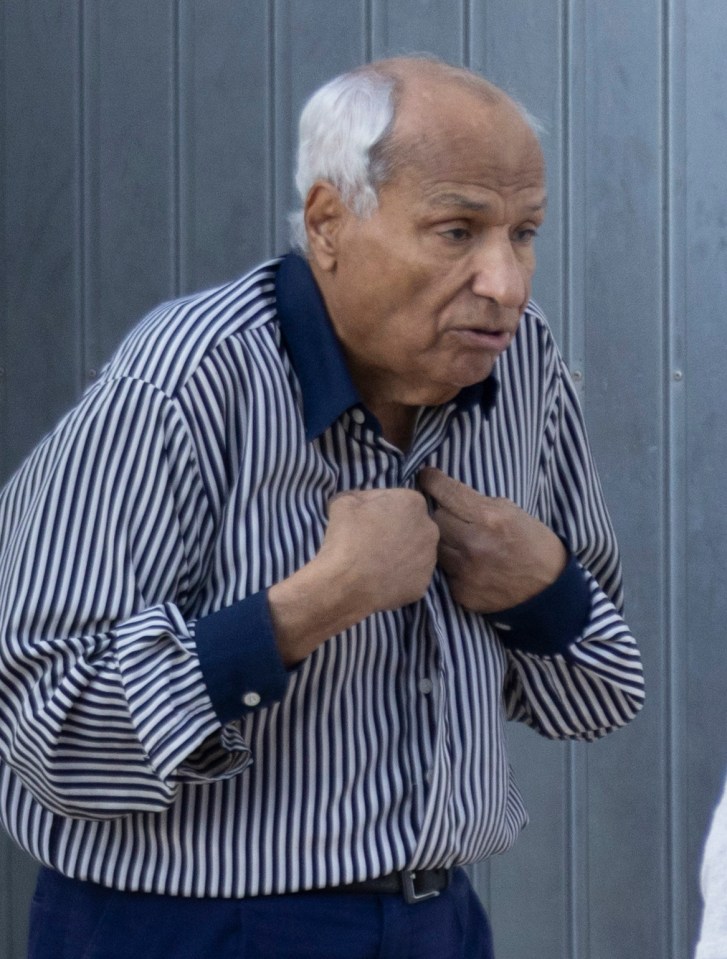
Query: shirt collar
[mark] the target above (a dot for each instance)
(314, 350)
(317, 357)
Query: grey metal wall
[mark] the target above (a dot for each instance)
(146, 151)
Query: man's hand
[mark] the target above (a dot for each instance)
(379, 552)
(495, 554)
(383, 544)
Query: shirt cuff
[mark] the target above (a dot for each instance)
(549, 622)
(239, 657)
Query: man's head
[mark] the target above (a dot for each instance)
(423, 192)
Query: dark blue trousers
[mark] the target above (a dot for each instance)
(78, 920)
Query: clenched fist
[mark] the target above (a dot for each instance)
(379, 552)
(495, 555)
(384, 545)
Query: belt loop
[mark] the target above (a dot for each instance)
(409, 890)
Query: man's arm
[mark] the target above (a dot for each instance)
(575, 669)
(102, 702)
(110, 694)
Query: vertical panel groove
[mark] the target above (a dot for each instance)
(467, 33)
(176, 200)
(573, 337)
(4, 278)
(368, 30)
(484, 28)
(674, 573)
(565, 121)
(667, 561)
(575, 768)
(272, 139)
(82, 231)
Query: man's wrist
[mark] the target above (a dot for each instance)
(313, 604)
(549, 622)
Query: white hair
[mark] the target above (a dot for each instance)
(346, 135)
(339, 127)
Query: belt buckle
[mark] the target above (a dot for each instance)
(409, 891)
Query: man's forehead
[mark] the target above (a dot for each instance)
(467, 182)
(469, 140)
(534, 200)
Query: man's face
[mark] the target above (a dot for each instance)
(428, 291)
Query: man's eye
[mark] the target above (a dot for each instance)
(457, 233)
(526, 235)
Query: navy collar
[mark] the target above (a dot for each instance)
(317, 357)
(314, 350)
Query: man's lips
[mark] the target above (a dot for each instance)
(477, 338)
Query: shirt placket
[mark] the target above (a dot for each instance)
(426, 653)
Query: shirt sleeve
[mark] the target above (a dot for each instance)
(104, 708)
(574, 668)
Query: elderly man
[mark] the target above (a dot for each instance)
(270, 591)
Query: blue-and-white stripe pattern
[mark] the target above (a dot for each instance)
(182, 482)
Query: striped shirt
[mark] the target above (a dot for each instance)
(150, 737)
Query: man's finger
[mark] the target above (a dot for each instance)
(450, 494)
(449, 557)
(452, 528)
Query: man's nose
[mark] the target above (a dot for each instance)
(499, 275)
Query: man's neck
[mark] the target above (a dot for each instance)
(397, 423)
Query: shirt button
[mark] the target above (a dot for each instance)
(251, 699)
(358, 416)
(426, 686)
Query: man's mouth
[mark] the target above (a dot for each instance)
(482, 339)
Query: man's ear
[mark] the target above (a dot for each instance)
(324, 214)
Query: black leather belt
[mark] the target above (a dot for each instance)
(414, 885)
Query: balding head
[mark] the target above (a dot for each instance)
(360, 129)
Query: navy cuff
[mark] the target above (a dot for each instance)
(239, 657)
(547, 624)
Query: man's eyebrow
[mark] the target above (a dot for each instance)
(476, 206)
(458, 200)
